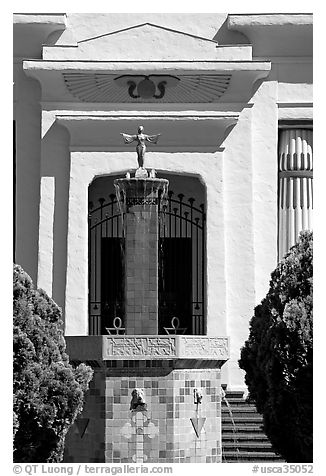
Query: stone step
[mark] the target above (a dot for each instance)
(239, 409)
(242, 419)
(234, 394)
(250, 457)
(231, 392)
(238, 402)
(228, 428)
(249, 445)
(235, 412)
(245, 436)
(250, 454)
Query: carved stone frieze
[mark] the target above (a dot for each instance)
(141, 347)
(178, 346)
(96, 349)
(211, 347)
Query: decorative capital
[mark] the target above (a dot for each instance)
(295, 152)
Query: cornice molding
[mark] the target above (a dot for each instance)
(295, 111)
(164, 115)
(244, 75)
(276, 35)
(252, 20)
(126, 66)
(55, 19)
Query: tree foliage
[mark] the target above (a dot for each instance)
(48, 391)
(278, 356)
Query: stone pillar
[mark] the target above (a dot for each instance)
(140, 200)
(295, 186)
(141, 270)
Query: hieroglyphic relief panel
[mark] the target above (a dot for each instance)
(140, 347)
(145, 347)
(208, 347)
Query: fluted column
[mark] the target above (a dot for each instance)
(295, 186)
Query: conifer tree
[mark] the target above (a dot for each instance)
(48, 390)
(278, 355)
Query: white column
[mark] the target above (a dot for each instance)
(45, 254)
(76, 305)
(295, 186)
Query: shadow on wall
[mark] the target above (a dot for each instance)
(226, 37)
(27, 116)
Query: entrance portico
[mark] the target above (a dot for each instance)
(192, 142)
(217, 88)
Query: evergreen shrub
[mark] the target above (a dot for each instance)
(278, 355)
(48, 390)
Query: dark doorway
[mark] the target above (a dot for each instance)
(175, 283)
(112, 282)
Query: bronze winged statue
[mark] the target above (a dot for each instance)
(141, 138)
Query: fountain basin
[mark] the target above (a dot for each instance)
(140, 191)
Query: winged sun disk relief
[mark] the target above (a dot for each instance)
(146, 85)
(99, 87)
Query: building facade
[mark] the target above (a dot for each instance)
(231, 97)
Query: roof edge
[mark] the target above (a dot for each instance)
(235, 21)
(58, 19)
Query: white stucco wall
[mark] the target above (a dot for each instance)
(56, 166)
(238, 225)
(250, 184)
(85, 166)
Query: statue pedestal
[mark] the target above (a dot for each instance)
(169, 426)
(141, 172)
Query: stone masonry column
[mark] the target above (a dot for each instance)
(140, 200)
(295, 186)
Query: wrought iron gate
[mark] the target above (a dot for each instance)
(181, 266)
(105, 262)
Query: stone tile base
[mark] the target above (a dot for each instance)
(162, 431)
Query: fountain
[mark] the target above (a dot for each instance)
(140, 201)
(154, 398)
(234, 428)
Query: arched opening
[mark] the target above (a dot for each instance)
(181, 262)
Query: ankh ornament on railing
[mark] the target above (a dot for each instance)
(117, 327)
(175, 327)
